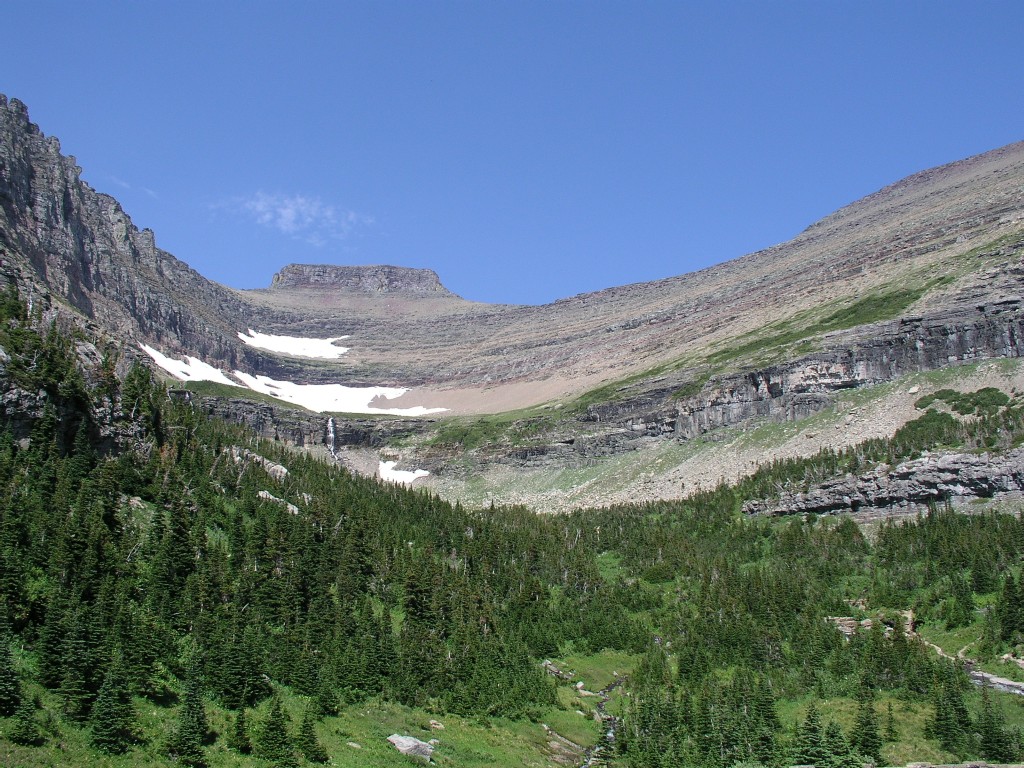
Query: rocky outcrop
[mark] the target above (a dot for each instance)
(62, 240)
(794, 390)
(411, 746)
(955, 477)
(304, 429)
(784, 392)
(242, 455)
(371, 280)
(22, 406)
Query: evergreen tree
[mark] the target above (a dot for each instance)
(26, 730)
(951, 724)
(307, 742)
(186, 743)
(865, 737)
(51, 642)
(994, 741)
(1008, 609)
(238, 737)
(960, 608)
(77, 684)
(113, 715)
(836, 744)
(891, 730)
(810, 741)
(10, 685)
(75, 694)
(273, 743)
(326, 702)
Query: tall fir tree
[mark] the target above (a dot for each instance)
(113, 719)
(837, 745)
(1008, 609)
(892, 732)
(326, 701)
(307, 742)
(994, 742)
(79, 679)
(951, 724)
(865, 737)
(238, 736)
(810, 740)
(186, 742)
(273, 742)
(26, 730)
(10, 684)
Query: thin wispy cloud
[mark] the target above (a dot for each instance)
(302, 217)
(116, 180)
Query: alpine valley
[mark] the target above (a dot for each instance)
(763, 514)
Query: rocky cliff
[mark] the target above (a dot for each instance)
(793, 390)
(60, 240)
(370, 280)
(661, 408)
(956, 478)
(304, 429)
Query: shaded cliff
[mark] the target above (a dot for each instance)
(58, 235)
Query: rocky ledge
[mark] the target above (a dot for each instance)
(954, 477)
(304, 429)
(371, 280)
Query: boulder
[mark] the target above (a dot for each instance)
(409, 745)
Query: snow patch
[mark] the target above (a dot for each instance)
(190, 369)
(315, 397)
(296, 346)
(387, 471)
(333, 397)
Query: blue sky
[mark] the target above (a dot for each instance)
(524, 150)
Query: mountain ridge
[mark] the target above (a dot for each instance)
(773, 334)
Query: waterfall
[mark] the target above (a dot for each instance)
(330, 437)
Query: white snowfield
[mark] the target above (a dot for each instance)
(316, 397)
(332, 397)
(191, 369)
(387, 471)
(296, 346)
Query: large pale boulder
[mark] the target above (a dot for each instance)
(408, 745)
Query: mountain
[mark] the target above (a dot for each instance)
(624, 393)
(175, 590)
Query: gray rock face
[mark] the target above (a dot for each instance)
(957, 477)
(785, 392)
(795, 390)
(370, 280)
(302, 428)
(59, 235)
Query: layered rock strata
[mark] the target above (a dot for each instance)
(956, 478)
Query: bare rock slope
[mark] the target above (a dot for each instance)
(922, 275)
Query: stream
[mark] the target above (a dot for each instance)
(595, 755)
(977, 676)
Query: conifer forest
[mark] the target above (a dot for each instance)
(174, 591)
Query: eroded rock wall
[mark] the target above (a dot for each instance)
(794, 390)
(956, 478)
